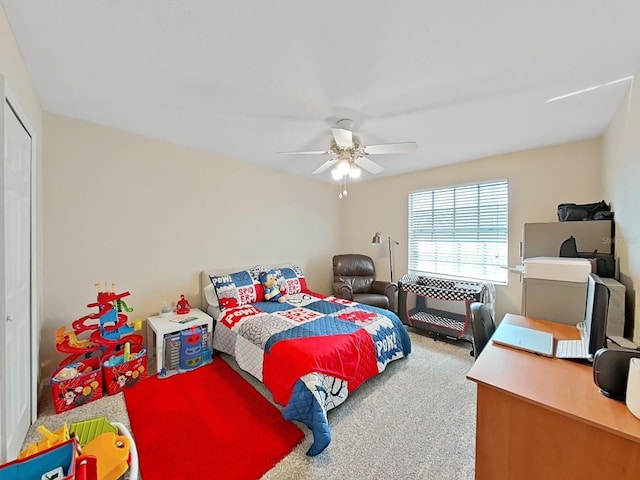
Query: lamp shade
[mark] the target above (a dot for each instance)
(377, 239)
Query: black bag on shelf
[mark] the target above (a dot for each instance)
(569, 248)
(604, 262)
(571, 212)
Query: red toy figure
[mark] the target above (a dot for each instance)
(182, 306)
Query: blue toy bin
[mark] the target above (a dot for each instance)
(36, 466)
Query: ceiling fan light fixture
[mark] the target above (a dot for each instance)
(343, 167)
(354, 172)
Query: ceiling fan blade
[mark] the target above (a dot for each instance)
(318, 152)
(404, 147)
(368, 165)
(343, 138)
(325, 165)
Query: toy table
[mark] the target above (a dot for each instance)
(158, 327)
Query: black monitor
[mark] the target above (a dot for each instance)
(595, 317)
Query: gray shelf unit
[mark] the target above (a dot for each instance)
(544, 239)
(558, 301)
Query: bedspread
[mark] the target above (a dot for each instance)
(314, 350)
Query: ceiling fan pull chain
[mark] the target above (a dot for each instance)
(343, 187)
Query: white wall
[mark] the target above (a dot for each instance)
(149, 216)
(13, 68)
(539, 180)
(621, 175)
(22, 92)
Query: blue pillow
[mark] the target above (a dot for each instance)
(238, 288)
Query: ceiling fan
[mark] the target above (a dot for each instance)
(349, 153)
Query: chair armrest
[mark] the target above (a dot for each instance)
(385, 288)
(343, 290)
(389, 289)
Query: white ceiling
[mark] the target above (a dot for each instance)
(464, 79)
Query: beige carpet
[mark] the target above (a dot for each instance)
(111, 407)
(414, 421)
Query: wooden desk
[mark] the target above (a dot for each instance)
(544, 418)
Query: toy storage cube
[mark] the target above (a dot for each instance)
(118, 375)
(59, 457)
(191, 348)
(173, 352)
(69, 393)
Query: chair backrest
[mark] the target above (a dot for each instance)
(482, 326)
(357, 270)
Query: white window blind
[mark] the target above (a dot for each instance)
(460, 231)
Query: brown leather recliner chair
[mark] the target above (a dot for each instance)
(354, 278)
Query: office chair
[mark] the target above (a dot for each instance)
(354, 278)
(482, 326)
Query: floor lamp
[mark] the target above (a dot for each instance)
(377, 240)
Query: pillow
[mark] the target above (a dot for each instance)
(239, 288)
(293, 278)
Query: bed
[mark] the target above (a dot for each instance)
(310, 350)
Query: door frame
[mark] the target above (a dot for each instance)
(10, 100)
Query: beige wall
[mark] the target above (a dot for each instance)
(149, 216)
(14, 70)
(22, 92)
(621, 147)
(539, 180)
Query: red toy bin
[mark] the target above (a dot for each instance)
(72, 392)
(118, 374)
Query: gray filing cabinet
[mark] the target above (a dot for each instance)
(557, 301)
(565, 302)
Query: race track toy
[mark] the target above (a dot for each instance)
(105, 335)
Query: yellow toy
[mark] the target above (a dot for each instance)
(49, 439)
(112, 453)
(61, 335)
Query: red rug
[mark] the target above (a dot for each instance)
(208, 423)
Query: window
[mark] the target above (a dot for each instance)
(460, 231)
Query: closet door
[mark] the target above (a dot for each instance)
(16, 372)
